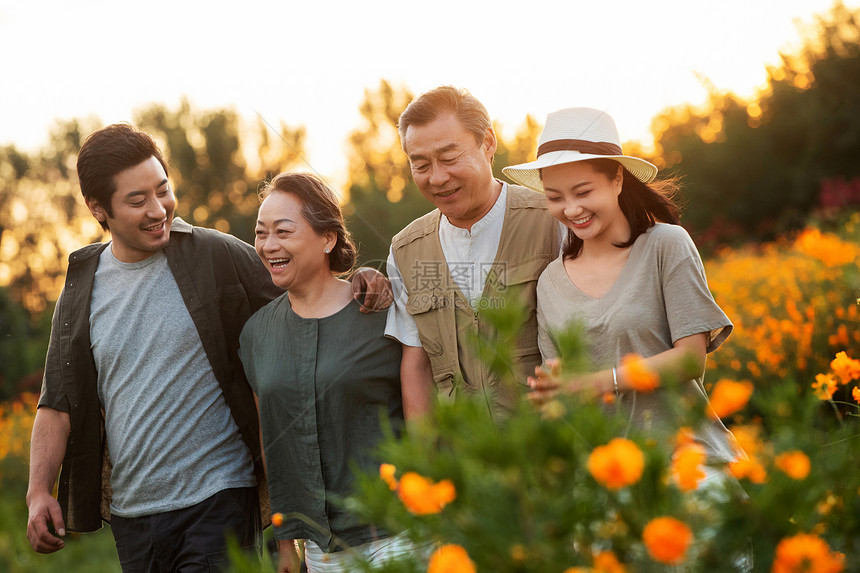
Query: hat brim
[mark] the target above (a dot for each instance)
(528, 174)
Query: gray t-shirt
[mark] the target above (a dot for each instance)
(660, 296)
(171, 438)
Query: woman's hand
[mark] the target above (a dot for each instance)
(373, 287)
(547, 383)
(288, 557)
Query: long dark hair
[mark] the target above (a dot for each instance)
(643, 204)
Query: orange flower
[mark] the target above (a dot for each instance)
(638, 374)
(805, 552)
(752, 469)
(687, 462)
(826, 247)
(747, 437)
(386, 472)
(277, 519)
(824, 386)
(847, 369)
(577, 570)
(617, 464)
(795, 464)
(421, 496)
(855, 393)
(728, 397)
(450, 559)
(667, 540)
(607, 562)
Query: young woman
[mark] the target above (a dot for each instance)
(628, 271)
(325, 377)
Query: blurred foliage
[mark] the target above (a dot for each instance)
(91, 553)
(754, 169)
(382, 198)
(216, 187)
(23, 343)
(528, 499)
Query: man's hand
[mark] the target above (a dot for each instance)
(47, 447)
(45, 510)
(288, 557)
(372, 286)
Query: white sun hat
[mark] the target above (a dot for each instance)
(577, 134)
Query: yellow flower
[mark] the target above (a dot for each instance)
(687, 463)
(728, 397)
(386, 472)
(638, 374)
(422, 496)
(450, 559)
(277, 519)
(795, 464)
(607, 562)
(826, 247)
(824, 386)
(617, 464)
(805, 552)
(747, 437)
(752, 469)
(847, 369)
(667, 540)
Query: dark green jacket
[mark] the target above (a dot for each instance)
(223, 283)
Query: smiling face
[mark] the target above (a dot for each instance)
(586, 201)
(287, 244)
(451, 169)
(141, 211)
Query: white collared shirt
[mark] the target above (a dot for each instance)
(469, 255)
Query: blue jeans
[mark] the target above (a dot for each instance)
(191, 539)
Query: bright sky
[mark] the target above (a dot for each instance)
(308, 63)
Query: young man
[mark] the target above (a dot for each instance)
(484, 239)
(144, 401)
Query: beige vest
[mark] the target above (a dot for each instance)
(445, 319)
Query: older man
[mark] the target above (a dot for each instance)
(485, 241)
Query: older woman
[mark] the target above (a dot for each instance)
(326, 378)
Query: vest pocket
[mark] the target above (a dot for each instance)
(424, 307)
(526, 271)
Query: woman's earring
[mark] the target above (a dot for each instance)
(327, 251)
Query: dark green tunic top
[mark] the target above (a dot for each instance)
(324, 386)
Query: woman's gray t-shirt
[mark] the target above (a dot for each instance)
(660, 296)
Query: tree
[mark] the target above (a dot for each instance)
(382, 198)
(757, 168)
(214, 185)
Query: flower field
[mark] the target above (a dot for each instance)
(572, 489)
